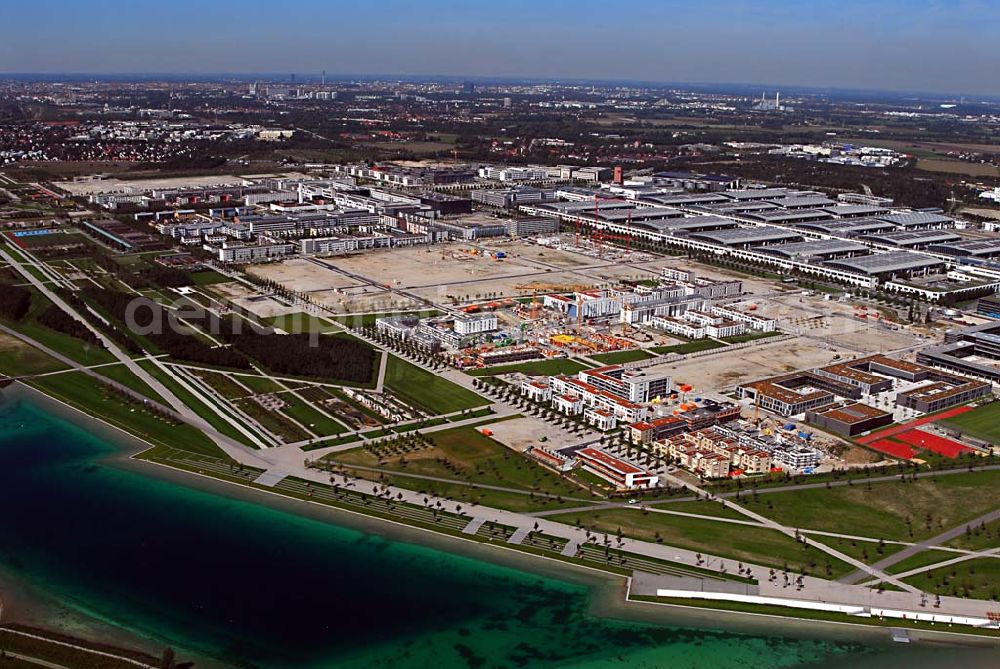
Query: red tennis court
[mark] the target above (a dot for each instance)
(933, 442)
(893, 448)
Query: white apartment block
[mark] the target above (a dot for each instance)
(472, 325)
(678, 326)
(538, 391)
(725, 329)
(752, 320)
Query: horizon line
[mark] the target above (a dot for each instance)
(496, 79)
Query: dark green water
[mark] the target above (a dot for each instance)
(263, 587)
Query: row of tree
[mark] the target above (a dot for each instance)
(56, 319)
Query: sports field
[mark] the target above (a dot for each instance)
(982, 422)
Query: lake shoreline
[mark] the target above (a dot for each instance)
(607, 598)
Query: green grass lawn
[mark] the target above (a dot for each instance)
(866, 551)
(299, 323)
(309, 416)
(471, 495)
(978, 579)
(738, 542)
(979, 537)
(464, 454)
(421, 388)
(20, 359)
(258, 385)
(272, 421)
(71, 347)
(552, 367)
(749, 336)
(922, 559)
(90, 396)
(123, 376)
(701, 508)
(222, 384)
(881, 512)
(620, 357)
(982, 422)
(688, 347)
(207, 277)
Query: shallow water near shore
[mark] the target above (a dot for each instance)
(259, 586)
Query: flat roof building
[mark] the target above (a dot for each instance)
(917, 220)
(747, 237)
(824, 249)
(788, 217)
(969, 248)
(855, 210)
(915, 239)
(973, 350)
(796, 393)
(890, 264)
(848, 419)
(848, 228)
(616, 471)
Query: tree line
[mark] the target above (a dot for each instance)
(294, 355)
(154, 322)
(56, 319)
(303, 355)
(15, 301)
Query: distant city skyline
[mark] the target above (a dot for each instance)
(902, 45)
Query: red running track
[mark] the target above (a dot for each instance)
(893, 448)
(905, 427)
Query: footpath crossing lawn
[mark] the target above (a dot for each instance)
(932, 505)
(90, 396)
(979, 579)
(738, 542)
(464, 454)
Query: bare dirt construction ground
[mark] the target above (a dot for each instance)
(245, 298)
(303, 275)
(362, 300)
(89, 187)
(833, 323)
(728, 368)
(520, 433)
(441, 271)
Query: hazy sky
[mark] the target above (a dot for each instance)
(928, 45)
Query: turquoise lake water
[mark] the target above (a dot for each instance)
(262, 587)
